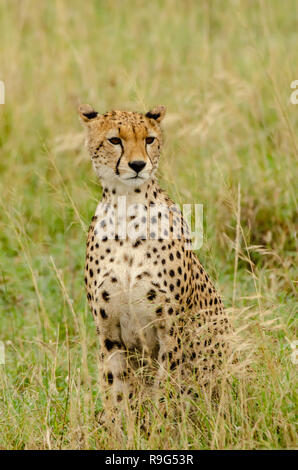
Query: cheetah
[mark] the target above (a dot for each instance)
(153, 303)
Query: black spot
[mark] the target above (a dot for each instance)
(159, 310)
(111, 344)
(103, 313)
(91, 272)
(152, 115)
(110, 377)
(151, 294)
(93, 115)
(105, 296)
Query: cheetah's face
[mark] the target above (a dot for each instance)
(124, 145)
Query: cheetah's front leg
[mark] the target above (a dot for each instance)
(170, 354)
(116, 384)
(115, 370)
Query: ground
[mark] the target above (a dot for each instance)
(231, 145)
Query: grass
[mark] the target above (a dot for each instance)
(224, 75)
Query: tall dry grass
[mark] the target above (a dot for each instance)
(224, 75)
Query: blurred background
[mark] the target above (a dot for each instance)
(224, 71)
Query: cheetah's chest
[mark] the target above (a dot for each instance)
(125, 281)
(131, 272)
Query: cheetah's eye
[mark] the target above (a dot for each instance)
(115, 140)
(150, 140)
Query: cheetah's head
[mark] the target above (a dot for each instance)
(124, 146)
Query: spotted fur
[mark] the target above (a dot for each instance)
(150, 296)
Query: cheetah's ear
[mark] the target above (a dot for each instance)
(157, 113)
(87, 113)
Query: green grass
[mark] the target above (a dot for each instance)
(224, 75)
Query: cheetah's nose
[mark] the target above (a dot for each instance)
(137, 165)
